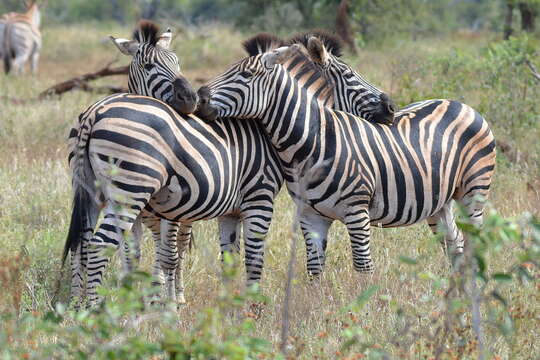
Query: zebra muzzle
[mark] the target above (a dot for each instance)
(185, 98)
(204, 109)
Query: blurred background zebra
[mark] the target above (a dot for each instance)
(20, 38)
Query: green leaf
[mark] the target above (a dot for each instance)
(364, 297)
(408, 260)
(501, 277)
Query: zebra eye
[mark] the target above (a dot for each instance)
(148, 67)
(246, 74)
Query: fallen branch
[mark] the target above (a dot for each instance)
(78, 83)
(81, 82)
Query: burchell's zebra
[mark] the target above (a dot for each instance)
(20, 39)
(177, 167)
(154, 72)
(437, 151)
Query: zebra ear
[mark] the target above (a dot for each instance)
(126, 47)
(164, 40)
(279, 56)
(317, 52)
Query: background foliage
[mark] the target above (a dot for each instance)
(374, 19)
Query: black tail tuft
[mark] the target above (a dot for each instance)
(7, 64)
(79, 217)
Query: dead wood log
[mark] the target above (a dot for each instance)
(81, 82)
(78, 83)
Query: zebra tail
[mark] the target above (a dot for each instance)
(86, 194)
(79, 217)
(7, 54)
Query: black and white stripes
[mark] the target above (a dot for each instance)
(437, 151)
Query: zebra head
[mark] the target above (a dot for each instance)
(155, 70)
(248, 88)
(243, 71)
(352, 93)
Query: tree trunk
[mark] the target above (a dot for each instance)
(117, 12)
(528, 16)
(306, 9)
(151, 10)
(508, 20)
(343, 26)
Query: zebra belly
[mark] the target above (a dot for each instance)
(175, 203)
(403, 208)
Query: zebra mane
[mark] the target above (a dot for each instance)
(331, 42)
(300, 64)
(146, 32)
(262, 43)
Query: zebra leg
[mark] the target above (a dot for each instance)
(229, 234)
(474, 206)
(168, 256)
(183, 241)
(315, 231)
(255, 229)
(34, 59)
(358, 226)
(153, 222)
(19, 61)
(229, 238)
(445, 221)
(78, 270)
(110, 234)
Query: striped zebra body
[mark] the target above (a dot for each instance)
(20, 39)
(180, 168)
(437, 151)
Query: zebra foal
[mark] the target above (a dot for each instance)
(20, 39)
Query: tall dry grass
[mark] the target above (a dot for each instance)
(35, 199)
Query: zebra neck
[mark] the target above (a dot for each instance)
(293, 122)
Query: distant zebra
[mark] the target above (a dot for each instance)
(20, 39)
(437, 151)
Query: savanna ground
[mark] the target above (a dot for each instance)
(407, 298)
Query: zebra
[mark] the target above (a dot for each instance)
(436, 152)
(157, 73)
(20, 39)
(170, 166)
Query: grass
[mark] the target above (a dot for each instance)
(35, 198)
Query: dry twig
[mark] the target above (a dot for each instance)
(534, 72)
(81, 82)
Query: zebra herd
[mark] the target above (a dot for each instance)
(291, 112)
(20, 38)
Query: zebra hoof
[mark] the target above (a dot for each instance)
(365, 268)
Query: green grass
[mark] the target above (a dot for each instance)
(35, 198)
